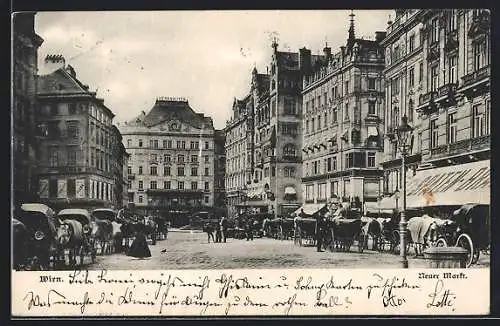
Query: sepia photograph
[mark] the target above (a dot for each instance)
(250, 139)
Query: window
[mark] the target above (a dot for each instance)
(207, 145)
(140, 199)
(191, 145)
(325, 120)
(329, 164)
(452, 128)
(411, 77)
(395, 86)
(207, 199)
(180, 159)
(167, 185)
(92, 156)
(412, 42)
(452, 69)
(141, 185)
(371, 83)
(72, 129)
(207, 185)
(289, 172)
(307, 126)
(166, 170)
(207, 172)
(154, 157)
(129, 185)
(434, 78)
(346, 112)
(312, 125)
(129, 142)
(371, 107)
(289, 106)
(129, 169)
(152, 185)
(334, 163)
(178, 143)
(180, 185)
(207, 159)
(54, 157)
(434, 133)
(153, 170)
(371, 159)
(194, 171)
(165, 144)
(140, 142)
(479, 54)
(410, 110)
(420, 72)
(452, 20)
(194, 185)
(167, 158)
(346, 91)
(155, 143)
(183, 144)
(334, 188)
(180, 171)
(334, 115)
(53, 129)
(71, 156)
(478, 126)
(315, 167)
(434, 30)
(140, 169)
(309, 192)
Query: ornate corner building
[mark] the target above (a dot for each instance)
(81, 154)
(172, 158)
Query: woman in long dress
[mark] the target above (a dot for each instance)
(139, 247)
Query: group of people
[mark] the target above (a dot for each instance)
(220, 230)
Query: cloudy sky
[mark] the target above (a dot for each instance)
(205, 56)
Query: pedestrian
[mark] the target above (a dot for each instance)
(320, 227)
(139, 247)
(223, 226)
(218, 231)
(249, 228)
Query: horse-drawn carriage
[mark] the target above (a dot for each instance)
(305, 231)
(74, 230)
(343, 228)
(34, 236)
(469, 228)
(281, 228)
(106, 231)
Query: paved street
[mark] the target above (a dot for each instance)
(190, 250)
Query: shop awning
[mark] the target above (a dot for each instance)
(374, 208)
(289, 190)
(372, 131)
(310, 209)
(448, 186)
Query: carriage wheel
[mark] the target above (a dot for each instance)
(441, 242)
(361, 241)
(465, 242)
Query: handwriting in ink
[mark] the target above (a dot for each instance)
(289, 303)
(78, 278)
(227, 283)
(441, 297)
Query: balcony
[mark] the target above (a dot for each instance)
(290, 158)
(426, 102)
(446, 94)
(477, 76)
(462, 146)
(131, 176)
(433, 52)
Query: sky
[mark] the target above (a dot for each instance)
(131, 58)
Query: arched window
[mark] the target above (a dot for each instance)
(289, 150)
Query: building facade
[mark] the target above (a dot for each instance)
(220, 170)
(442, 59)
(25, 141)
(171, 164)
(79, 152)
(238, 135)
(343, 122)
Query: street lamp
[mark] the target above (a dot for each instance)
(403, 134)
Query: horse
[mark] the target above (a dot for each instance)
(69, 235)
(102, 234)
(372, 228)
(117, 236)
(423, 231)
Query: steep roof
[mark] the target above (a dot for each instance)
(164, 110)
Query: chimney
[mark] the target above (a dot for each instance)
(327, 51)
(304, 60)
(53, 62)
(71, 71)
(379, 36)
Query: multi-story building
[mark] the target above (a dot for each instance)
(78, 154)
(25, 147)
(343, 122)
(120, 168)
(238, 132)
(451, 110)
(220, 170)
(171, 165)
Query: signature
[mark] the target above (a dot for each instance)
(441, 297)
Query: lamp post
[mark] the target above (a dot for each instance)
(403, 133)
